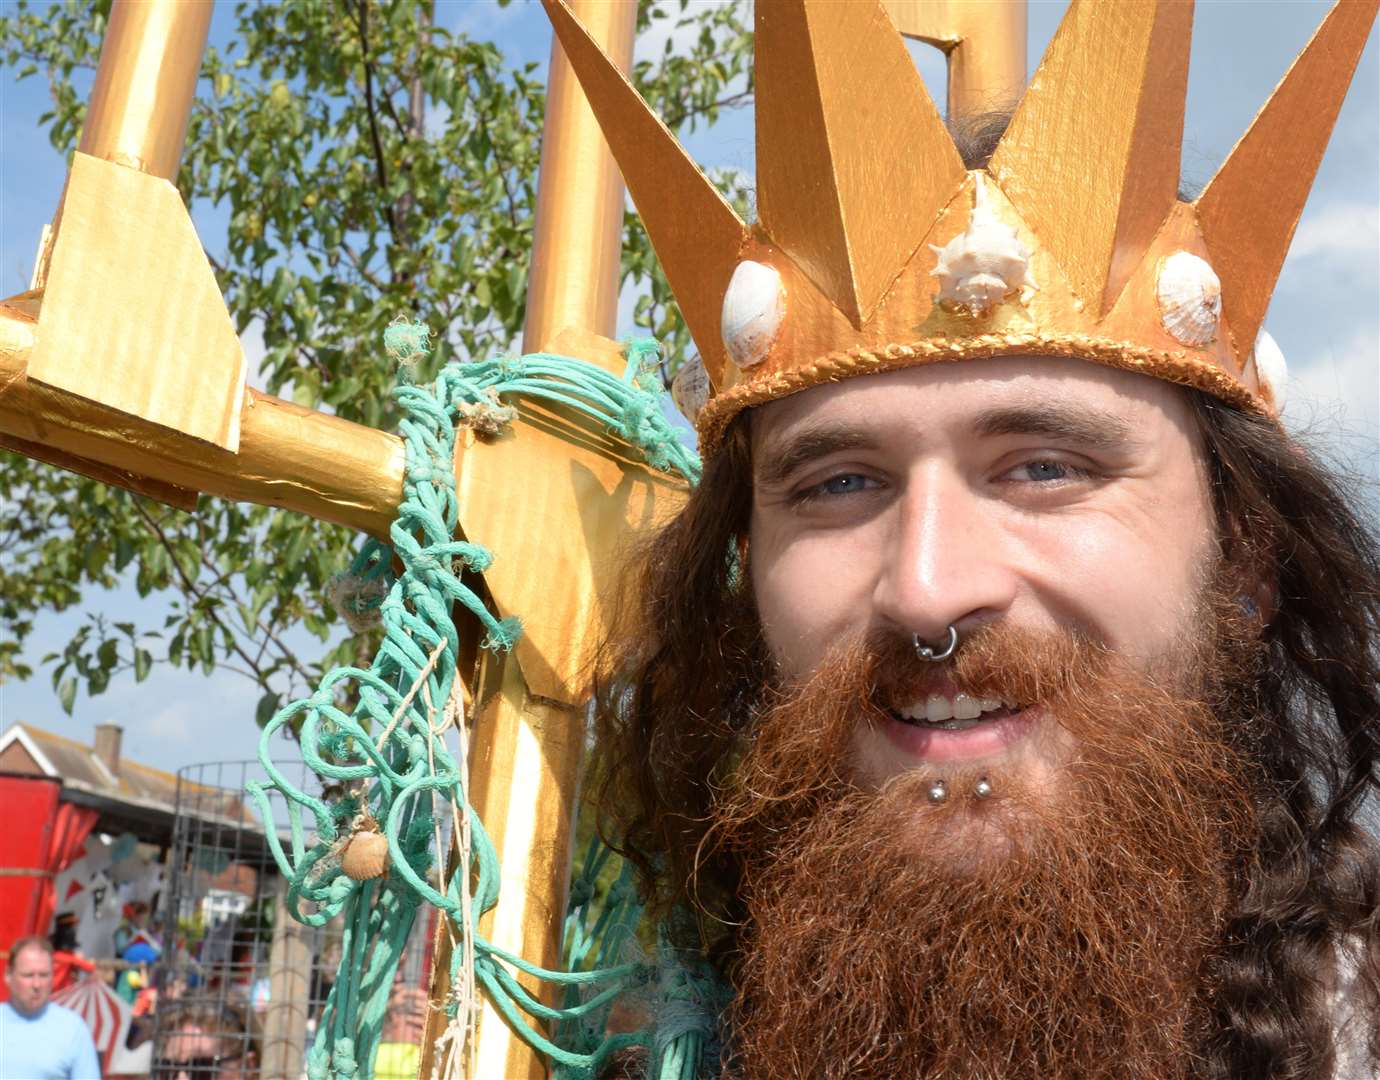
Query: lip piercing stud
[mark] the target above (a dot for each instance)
(928, 654)
(938, 792)
(982, 789)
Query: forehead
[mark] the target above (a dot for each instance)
(33, 958)
(952, 401)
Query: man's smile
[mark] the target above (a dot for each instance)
(954, 736)
(953, 712)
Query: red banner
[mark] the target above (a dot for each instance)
(40, 839)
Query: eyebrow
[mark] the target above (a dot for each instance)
(782, 459)
(1097, 429)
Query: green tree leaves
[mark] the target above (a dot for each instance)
(370, 164)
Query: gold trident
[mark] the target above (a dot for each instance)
(96, 378)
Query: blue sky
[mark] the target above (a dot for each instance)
(1325, 313)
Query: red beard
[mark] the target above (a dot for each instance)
(1060, 934)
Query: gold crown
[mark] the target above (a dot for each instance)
(877, 250)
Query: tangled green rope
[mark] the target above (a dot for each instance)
(385, 761)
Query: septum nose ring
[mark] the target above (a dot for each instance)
(926, 653)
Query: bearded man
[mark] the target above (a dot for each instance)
(1008, 717)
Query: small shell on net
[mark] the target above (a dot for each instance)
(1271, 370)
(754, 306)
(365, 855)
(690, 388)
(982, 266)
(1190, 298)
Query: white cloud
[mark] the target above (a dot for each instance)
(252, 342)
(1342, 229)
(171, 723)
(1334, 397)
(477, 18)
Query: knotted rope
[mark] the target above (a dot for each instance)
(387, 765)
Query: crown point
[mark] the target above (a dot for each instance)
(1249, 210)
(1105, 105)
(836, 87)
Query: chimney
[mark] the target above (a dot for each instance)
(108, 746)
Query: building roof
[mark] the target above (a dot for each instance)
(134, 798)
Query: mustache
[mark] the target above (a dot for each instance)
(797, 751)
(995, 660)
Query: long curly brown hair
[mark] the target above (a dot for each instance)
(680, 683)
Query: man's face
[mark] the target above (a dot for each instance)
(30, 979)
(190, 1053)
(1045, 494)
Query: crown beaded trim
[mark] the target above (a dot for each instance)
(876, 250)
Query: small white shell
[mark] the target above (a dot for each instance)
(1190, 298)
(1271, 370)
(365, 855)
(754, 306)
(983, 265)
(690, 388)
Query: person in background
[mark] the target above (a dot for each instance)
(67, 958)
(38, 1039)
(207, 1043)
(404, 1024)
(136, 918)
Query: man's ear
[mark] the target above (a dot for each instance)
(1253, 574)
(1266, 598)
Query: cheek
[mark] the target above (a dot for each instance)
(810, 595)
(1131, 580)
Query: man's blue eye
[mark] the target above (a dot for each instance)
(844, 485)
(1046, 471)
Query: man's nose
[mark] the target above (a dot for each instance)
(951, 563)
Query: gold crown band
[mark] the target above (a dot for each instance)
(1172, 366)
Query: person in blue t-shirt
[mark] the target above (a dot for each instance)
(40, 1040)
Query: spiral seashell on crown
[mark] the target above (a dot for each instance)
(877, 249)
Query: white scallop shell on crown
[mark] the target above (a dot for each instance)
(690, 388)
(754, 307)
(1190, 298)
(1271, 370)
(982, 266)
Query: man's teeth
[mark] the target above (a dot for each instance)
(938, 708)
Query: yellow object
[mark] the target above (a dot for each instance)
(695, 232)
(587, 499)
(132, 317)
(578, 243)
(582, 501)
(860, 111)
(984, 41)
(145, 84)
(1082, 187)
(291, 457)
(397, 1061)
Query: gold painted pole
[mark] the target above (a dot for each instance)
(987, 69)
(289, 456)
(579, 220)
(528, 751)
(145, 84)
(985, 42)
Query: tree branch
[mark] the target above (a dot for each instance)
(286, 653)
(371, 109)
(190, 588)
(733, 101)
